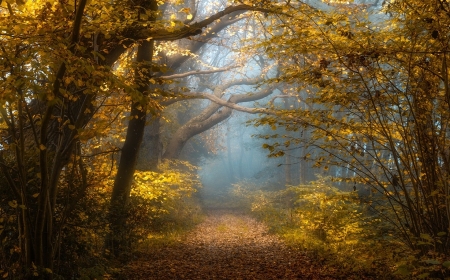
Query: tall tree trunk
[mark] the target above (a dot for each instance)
(241, 154)
(43, 246)
(117, 241)
(288, 161)
(230, 158)
(287, 170)
(151, 150)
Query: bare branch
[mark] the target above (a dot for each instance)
(219, 91)
(229, 104)
(196, 72)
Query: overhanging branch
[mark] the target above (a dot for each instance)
(197, 27)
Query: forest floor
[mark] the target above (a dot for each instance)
(230, 245)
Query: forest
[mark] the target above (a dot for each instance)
(229, 139)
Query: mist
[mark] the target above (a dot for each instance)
(241, 158)
(244, 139)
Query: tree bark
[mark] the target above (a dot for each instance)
(232, 176)
(288, 161)
(241, 154)
(151, 150)
(117, 240)
(135, 132)
(152, 145)
(208, 118)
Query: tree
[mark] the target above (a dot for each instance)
(210, 116)
(57, 69)
(380, 97)
(129, 156)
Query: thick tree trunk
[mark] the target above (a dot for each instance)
(208, 118)
(189, 130)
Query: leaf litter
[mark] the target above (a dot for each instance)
(230, 245)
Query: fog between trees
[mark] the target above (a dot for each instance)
(326, 120)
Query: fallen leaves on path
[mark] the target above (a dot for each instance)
(229, 246)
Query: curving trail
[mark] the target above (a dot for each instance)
(228, 245)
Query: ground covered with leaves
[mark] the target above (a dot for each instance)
(230, 245)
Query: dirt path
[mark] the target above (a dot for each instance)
(227, 246)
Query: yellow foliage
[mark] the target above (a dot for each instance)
(160, 193)
(320, 218)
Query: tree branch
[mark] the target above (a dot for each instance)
(137, 32)
(197, 27)
(211, 116)
(196, 72)
(233, 105)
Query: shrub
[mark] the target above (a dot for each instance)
(326, 222)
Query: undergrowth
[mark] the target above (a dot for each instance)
(172, 227)
(328, 224)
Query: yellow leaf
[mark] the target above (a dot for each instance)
(71, 126)
(12, 203)
(21, 4)
(67, 80)
(35, 195)
(42, 147)
(189, 17)
(186, 10)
